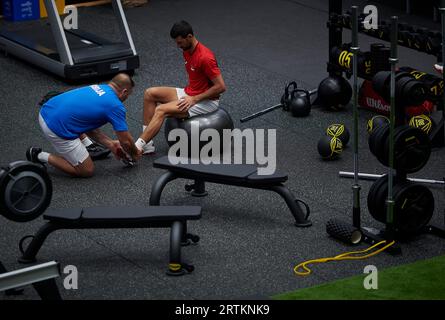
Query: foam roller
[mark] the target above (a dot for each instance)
(343, 231)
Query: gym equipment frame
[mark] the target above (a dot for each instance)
(72, 54)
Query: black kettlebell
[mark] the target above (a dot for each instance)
(285, 98)
(300, 103)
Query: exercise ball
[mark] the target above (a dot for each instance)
(339, 130)
(375, 122)
(334, 92)
(329, 147)
(218, 120)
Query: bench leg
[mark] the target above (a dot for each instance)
(47, 290)
(198, 188)
(176, 267)
(295, 209)
(29, 255)
(188, 238)
(158, 186)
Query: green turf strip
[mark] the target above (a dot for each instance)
(422, 280)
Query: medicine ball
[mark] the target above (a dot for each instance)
(329, 147)
(339, 130)
(375, 122)
(422, 122)
(334, 92)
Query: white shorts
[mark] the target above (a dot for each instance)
(202, 107)
(72, 151)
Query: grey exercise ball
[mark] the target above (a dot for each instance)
(219, 120)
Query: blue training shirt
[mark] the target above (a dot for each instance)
(85, 109)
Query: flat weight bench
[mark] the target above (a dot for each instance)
(173, 217)
(242, 175)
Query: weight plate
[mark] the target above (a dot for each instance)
(25, 190)
(413, 205)
(379, 82)
(412, 149)
(373, 140)
(384, 146)
(379, 143)
(372, 204)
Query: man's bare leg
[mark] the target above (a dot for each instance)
(161, 112)
(154, 96)
(83, 170)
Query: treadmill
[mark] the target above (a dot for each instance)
(72, 54)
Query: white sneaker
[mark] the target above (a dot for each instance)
(148, 148)
(438, 68)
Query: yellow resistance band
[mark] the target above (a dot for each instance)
(343, 256)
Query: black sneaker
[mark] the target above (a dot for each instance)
(97, 152)
(32, 154)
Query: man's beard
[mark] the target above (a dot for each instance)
(187, 48)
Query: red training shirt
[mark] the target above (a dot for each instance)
(201, 67)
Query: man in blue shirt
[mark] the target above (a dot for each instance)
(66, 117)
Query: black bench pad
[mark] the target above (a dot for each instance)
(243, 173)
(125, 214)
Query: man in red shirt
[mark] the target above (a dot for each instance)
(201, 95)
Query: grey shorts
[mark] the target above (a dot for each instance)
(202, 107)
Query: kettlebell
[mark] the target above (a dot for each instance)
(300, 103)
(285, 98)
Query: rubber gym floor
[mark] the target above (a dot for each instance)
(249, 244)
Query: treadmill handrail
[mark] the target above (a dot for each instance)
(58, 33)
(123, 24)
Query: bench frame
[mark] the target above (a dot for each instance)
(178, 238)
(199, 190)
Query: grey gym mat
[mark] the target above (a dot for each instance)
(249, 244)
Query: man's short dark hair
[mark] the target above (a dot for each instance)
(181, 29)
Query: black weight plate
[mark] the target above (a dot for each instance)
(378, 195)
(414, 207)
(384, 151)
(371, 194)
(412, 149)
(373, 140)
(381, 196)
(25, 191)
(400, 87)
(418, 92)
(379, 82)
(380, 141)
(373, 206)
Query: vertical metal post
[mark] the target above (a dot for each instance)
(408, 6)
(335, 33)
(393, 61)
(123, 25)
(58, 33)
(442, 14)
(355, 49)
